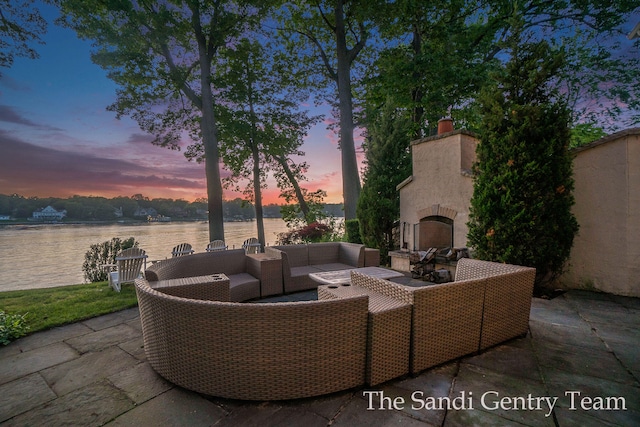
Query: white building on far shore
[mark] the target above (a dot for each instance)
(49, 214)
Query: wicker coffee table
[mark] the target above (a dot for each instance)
(340, 277)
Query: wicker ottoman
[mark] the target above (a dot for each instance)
(212, 287)
(388, 331)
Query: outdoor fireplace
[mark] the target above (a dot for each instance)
(434, 200)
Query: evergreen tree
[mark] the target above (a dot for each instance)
(388, 163)
(521, 205)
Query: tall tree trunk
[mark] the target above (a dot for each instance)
(417, 94)
(304, 208)
(350, 176)
(257, 192)
(211, 150)
(255, 153)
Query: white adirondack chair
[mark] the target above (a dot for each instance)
(182, 249)
(251, 246)
(216, 245)
(128, 267)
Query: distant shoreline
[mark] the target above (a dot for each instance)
(113, 222)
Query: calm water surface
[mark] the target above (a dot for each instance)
(42, 256)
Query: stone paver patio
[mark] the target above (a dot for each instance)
(583, 348)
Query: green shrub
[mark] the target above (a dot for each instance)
(352, 230)
(522, 197)
(101, 254)
(12, 326)
(388, 163)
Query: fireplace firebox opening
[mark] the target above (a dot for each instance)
(435, 231)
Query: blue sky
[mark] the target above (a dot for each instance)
(57, 139)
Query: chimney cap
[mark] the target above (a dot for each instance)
(445, 125)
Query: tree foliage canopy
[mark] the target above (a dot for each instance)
(20, 25)
(329, 36)
(178, 67)
(262, 125)
(443, 54)
(163, 55)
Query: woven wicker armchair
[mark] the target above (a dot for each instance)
(270, 351)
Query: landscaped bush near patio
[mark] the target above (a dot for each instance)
(12, 326)
(101, 254)
(314, 232)
(388, 163)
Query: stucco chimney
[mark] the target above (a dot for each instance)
(445, 125)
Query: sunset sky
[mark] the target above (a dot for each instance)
(57, 139)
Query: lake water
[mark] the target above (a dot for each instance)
(43, 256)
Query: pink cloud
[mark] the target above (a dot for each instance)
(29, 169)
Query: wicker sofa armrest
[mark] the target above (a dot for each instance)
(268, 270)
(371, 257)
(211, 287)
(446, 318)
(351, 254)
(384, 287)
(199, 264)
(277, 253)
(253, 267)
(507, 305)
(468, 268)
(507, 300)
(272, 252)
(447, 322)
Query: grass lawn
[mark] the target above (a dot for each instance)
(46, 308)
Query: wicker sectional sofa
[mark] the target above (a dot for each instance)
(300, 260)
(245, 273)
(264, 351)
(200, 335)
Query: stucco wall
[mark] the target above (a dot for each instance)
(606, 252)
(440, 184)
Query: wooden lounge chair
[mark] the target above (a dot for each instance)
(251, 246)
(127, 268)
(182, 249)
(216, 245)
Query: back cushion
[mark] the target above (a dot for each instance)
(298, 255)
(230, 261)
(323, 253)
